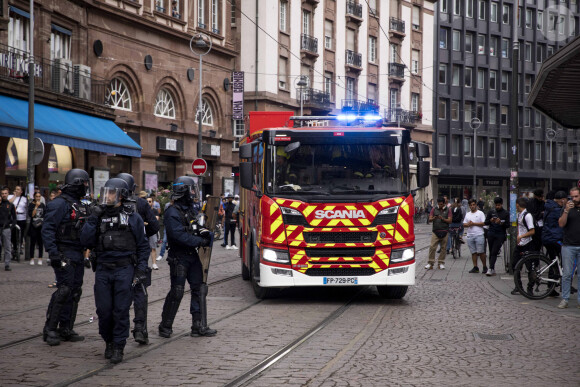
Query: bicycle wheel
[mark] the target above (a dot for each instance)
(535, 276)
(456, 247)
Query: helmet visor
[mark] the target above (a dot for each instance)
(109, 196)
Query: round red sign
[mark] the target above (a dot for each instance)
(199, 166)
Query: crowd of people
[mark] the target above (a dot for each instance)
(551, 223)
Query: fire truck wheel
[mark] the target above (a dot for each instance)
(245, 271)
(260, 292)
(392, 292)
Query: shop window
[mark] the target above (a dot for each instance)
(206, 114)
(118, 95)
(238, 131)
(164, 105)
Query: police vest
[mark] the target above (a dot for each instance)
(69, 229)
(115, 234)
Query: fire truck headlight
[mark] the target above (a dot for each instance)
(388, 211)
(401, 255)
(290, 211)
(278, 256)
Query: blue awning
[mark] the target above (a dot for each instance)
(58, 126)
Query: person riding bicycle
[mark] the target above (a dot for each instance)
(524, 234)
(498, 220)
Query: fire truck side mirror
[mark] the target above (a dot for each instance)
(422, 150)
(245, 151)
(423, 168)
(246, 175)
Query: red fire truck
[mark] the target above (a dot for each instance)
(327, 201)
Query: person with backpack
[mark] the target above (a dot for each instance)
(525, 231)
(498, 220)
(535, 207)
(441, 218)
(552, 233)
(457, 216)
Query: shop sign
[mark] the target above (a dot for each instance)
(492, 182)
(238, 95)
(169, 144)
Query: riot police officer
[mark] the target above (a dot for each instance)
(140, 298)
(183, 258)
(117, 235)
(61, 229)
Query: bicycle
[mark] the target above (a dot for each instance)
(217, 233)
(455, 242)
(543, 275)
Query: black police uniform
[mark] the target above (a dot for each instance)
(122, 250)
(184, 264)
(61, 229)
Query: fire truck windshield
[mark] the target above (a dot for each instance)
(339, 169)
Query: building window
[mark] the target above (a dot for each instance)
(454, 110)
(282, 73)
(504, 115)
(215, 27)
(443, 6)
(492, 114)
(467, 111)
(467, 146)
(372, 49)
(60, 43)
(479, 145)
(537, 119)
(469, 8)
(457, 7)
(206, 114)
(443, 74)
(561, 25)
(480, 111)
(415, 61)
(505, 77)
(492, 79)
(164, 105)
(493, 46)
(283, 15)
(328, 34)
(456, 40)
(540, 21)
(528, 83)
(505, 48)
(552, 20)
(468, 43)
(201, 14)
(372, 92)
(481, 44)
(493, 12)
(527, 150)
(454, 145)
(233, 14)
(527, 117)
(571, 153)
(175, 9)
(328, 80)
(528, 52)
(480, 78)
(394, 54)
(120, 98)
(416, 18)
(539, 53)
(350, 88)
(481, 11)
(550, 51)
(442, 111)
(505, 16)
(467, 76)
(442, 145)
(538, 151)
(559, 153)
(519, 16)
(503, 149)
(238, 131)
(455, 76)
(443, 38)
(18, 32)
(306, 22)
(415, 102)
(491, 148)
(529, 17)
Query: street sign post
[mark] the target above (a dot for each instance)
(199, 167)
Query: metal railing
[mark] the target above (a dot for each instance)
(353, 8)
(314, 97)
(309, 43)
(397, 24)
(396, 70)
(61, 77)
(359, 106)
(399, 115)
(353, 58)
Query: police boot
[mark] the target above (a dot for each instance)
(140, 335)
(164, 331)
(67, 334)
(198, 330)
(117, 355)
(52, 338)
(109, 350)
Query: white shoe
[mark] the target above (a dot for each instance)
(32, 261)
(155, 267)
(490, 272)
(233, 247)
(159, 258)
(441, 266)
(428, 266)
(39, 262)
(563, 304)
(228, 248)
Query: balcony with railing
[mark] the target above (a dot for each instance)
(397, 70)
(314, 98)
(397, 26)
(354, 60)
(59, 76)
(354, 105)
(401, 116)
(354, 11)
(309, 45)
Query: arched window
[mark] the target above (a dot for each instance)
(119, 97)
(164, 105)
(207, 114)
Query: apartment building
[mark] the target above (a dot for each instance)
(473, 56)
(130, 65)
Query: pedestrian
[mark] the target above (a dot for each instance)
(8, 221)
(474, 222)
(535, 207)
(230, 220)
(552, 233)
(480, 204)
(498, 220)
(525, 232)
(153, 238)
(21, 205)
(164, 241)
(184, 261)
(140, 297)
(117, 235)
(61, 230)
(441, 218)
(37, 190)
(570, 222)
(36, 211)
(456, 221)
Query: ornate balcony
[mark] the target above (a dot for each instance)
(397, 26)
(397, 70)
(354, 11)
(314, 98)
(354, 60)
(401, 116)
(355, 105)
(309, 45)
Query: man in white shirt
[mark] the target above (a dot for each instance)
(525, 232)
(473, 223)
(21, 206)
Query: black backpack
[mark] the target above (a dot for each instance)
(457, 216)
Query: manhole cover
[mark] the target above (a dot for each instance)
(485, 336)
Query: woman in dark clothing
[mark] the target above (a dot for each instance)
(36, 211)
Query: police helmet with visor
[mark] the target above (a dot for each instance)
(186, 181)
(113, 192)
(130, 180)
(77, 181)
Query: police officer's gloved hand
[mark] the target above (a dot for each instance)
(98, 211)
(87, 262)
(206, 235)
(55, 261)
(139, 277)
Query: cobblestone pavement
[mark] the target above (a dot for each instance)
(436, 335)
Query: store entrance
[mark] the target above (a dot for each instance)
(165, 168)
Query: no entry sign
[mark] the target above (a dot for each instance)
(199, 166)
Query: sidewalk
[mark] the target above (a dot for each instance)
(503, 283)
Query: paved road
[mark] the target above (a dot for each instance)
(435, 336)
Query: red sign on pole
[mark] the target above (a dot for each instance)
(199, 166)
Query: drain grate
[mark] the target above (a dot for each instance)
(486, 336)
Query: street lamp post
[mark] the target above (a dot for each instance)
(475, 123)
(301, 83)
(203, 45)
(550, 135)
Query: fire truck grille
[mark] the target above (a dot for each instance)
(294, 220)
(340, 272)
(340, 237)
(314, 253)
(385, 219)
